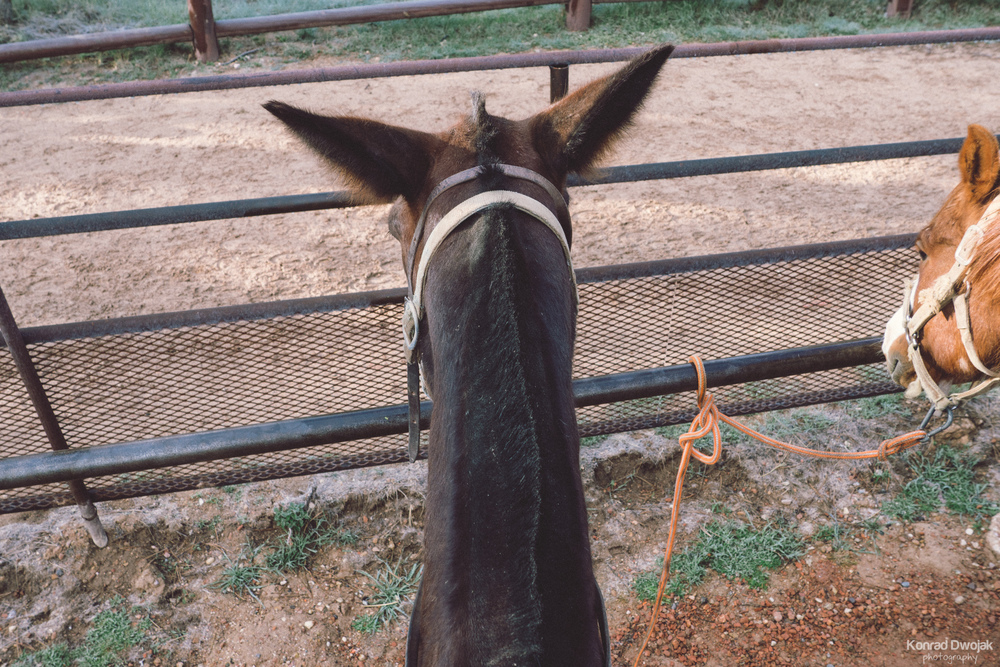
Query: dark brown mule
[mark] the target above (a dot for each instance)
(507, 576)
(956, 276)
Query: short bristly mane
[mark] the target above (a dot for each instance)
(984, 269)
(502, 426)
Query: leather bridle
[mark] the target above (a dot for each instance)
(950, 288)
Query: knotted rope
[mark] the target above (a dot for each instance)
(707, 421)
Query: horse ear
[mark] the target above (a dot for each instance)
(979, 162)
(381, 162)
(578, 130)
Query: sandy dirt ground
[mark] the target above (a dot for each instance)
(158, 151)
(859, 609)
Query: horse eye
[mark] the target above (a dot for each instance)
(923, 255)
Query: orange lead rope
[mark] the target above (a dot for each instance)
(707, 421)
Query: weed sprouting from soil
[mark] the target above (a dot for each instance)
(305, 535)
(850, 538)
(393, 586)
(242, 576)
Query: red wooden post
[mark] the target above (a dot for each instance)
(900, 8)
(578, 15)
(206, 44)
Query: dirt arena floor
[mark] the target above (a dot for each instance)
(922, 582)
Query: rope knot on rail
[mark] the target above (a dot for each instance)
(707, 421)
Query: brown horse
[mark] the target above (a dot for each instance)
(947, 331)
(507, 577)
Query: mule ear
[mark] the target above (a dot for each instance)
(577, 131)
(379, 161)
(979, 163)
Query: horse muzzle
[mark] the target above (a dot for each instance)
(897, 355)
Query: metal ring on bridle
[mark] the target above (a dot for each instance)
(949, 419)
(411, 326)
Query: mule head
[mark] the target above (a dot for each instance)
(384, 163)
(940, 341)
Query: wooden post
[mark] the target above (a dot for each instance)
(578, 15)
(206, 44)
(900, 8)
(6, 12)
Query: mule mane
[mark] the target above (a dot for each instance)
(984, 269)
(486, 133)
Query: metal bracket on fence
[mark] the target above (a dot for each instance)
(36, 392)
(558, 81)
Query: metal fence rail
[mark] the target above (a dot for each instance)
(243, 208)
(479, 63)
(244, 377)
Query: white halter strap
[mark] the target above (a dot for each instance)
(414, 308)
(948, 289)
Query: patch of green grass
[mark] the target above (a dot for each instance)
(207, 524)
(233, 491)
(686, 573)
(294, 517)
(393, 586)
(113, 633)
(721, 508)
(241, 576)
(646, 584)
(740, 552)
(946, 479)
(57, 655)
(734, 550)
(593, 440)
(875, 407)
(852, 537)
(344, 536)
(369, 624)
(881, 474)
(305, 534)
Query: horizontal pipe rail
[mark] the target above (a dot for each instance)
(390, 11)
(121, 39)
(478, 63)
(95, 41)
(122, 458)
(170, 215)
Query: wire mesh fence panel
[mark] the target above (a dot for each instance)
(136, 384)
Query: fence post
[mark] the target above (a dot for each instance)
(36, 392)
(558, 81)
(578, 15)
(900, 8)
(206, 44)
